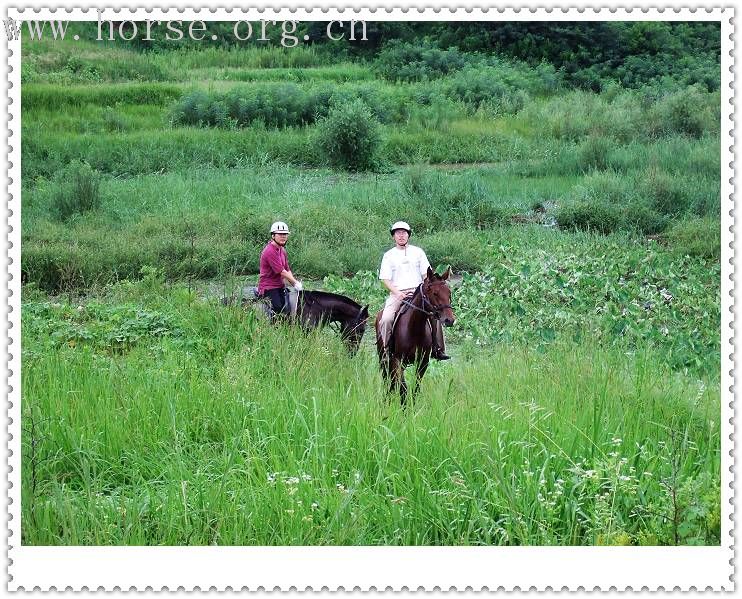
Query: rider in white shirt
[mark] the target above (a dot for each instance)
(403, 268)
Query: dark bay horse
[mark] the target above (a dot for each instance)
(315, 309)
(412, 338)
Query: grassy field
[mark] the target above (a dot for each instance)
(582, 405)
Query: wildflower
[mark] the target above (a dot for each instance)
(289, 511)
(292, 480)
(457, 480)
(315, 505)
(306, 477)
(616, 441)
(307, 519)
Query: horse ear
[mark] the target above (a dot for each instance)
(364, 312)
(446, 274)
(431, 274)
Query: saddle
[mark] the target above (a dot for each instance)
(293, 302)
(403, 309)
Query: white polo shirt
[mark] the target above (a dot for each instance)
(405, 268)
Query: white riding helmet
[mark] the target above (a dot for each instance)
(279, 227)
(400, 224)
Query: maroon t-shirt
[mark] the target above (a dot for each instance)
(273, 260)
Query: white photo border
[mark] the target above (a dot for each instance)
(365, 568)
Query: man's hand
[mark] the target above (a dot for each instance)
(298, 286)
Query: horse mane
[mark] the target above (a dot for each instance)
(336, 296)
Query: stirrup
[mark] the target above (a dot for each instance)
(440, 355)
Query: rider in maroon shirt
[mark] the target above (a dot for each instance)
(275, 270)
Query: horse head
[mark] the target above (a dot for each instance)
(437, 296)
(355, 329)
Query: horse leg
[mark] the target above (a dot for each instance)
(420, 369)
(386, 370)
(402, 383)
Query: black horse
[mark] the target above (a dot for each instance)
(318, 308)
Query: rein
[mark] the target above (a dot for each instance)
(434, 313)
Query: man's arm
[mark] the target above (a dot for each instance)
(288, 275)
(277, 266)
(393, 288)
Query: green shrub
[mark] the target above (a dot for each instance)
(697, 237)
(593, 153)
(487, 86)
(400, 61)
(76, 189)
(643, 219)
(666, 194)
(113, 121)
(349, 137)
(688, 111)
(590, 215)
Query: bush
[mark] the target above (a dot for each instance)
(349, 137)
(590, 215)
(76, 189)
(401, 61)
(439, 201)
(666, 194)
(488, 86)
(688, 111)
(113, 121)
(697, 237)
(593, 153)
(608, 202)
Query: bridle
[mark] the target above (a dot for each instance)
(434, 312)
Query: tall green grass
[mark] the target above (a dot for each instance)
(188, 436)
(142, 220)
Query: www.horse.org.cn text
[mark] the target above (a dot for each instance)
(283, 32)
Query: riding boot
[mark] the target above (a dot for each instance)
(439, 345)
